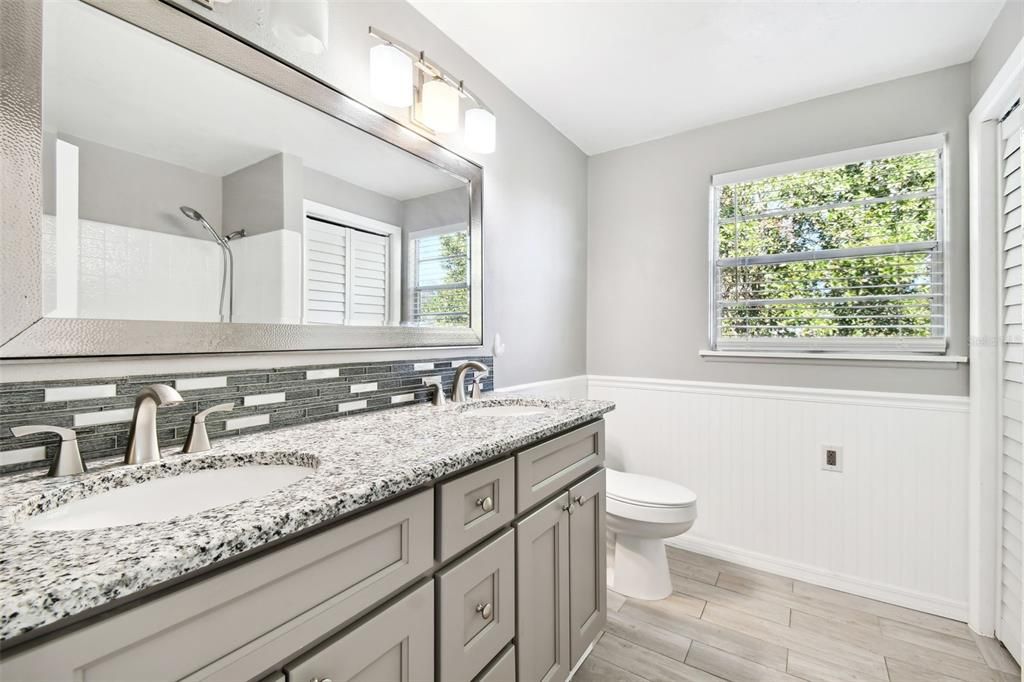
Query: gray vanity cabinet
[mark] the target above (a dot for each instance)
(396, 644)
(542, 583)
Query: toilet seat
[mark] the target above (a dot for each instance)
(648, 499)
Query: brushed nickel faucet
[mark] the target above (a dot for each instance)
(459, 387)
(143, 446)
(437, 391)
(68, 461)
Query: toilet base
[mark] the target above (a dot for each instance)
(641, 568)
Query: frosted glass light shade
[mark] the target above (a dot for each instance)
(481, 130)
(390, 76)
(439, 106)
(303, 24)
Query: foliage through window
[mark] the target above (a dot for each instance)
(841, 252)
(441, 289)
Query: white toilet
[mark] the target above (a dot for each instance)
(642, 512)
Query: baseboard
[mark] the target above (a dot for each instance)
(918, 601)
(567, 387)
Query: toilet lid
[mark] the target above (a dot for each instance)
(647, 491)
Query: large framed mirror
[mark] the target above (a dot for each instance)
(182, 191)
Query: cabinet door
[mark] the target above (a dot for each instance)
(542, 586)
(395, 645)
(588, 594)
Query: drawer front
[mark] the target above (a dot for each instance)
(549, 467)
(396, 644)
(473, 506)
(501, 669)
(244, 620)
(476, 609)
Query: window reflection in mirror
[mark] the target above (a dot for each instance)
(176, 189)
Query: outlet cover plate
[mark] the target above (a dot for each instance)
(832, 457)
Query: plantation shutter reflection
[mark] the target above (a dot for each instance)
(845, 257)
(347, 275)
(1009, 622)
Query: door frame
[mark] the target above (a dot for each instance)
(984, 469)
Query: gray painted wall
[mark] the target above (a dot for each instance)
(122, 188)
(648, 249)
(327, 189)
(254, 197)
(1006, 32)
(434, 210)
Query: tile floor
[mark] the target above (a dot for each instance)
(727, 622)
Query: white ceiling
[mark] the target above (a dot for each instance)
(612, 74)
(107, 81)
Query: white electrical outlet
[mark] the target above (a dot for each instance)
(832, 457)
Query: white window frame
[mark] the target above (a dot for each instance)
(842, 345)
(413, 264)
(313, 209)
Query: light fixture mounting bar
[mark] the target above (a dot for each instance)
(428, 66)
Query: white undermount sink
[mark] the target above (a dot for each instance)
(161, 499)
(506, 411)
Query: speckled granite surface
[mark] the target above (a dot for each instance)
(361, 459)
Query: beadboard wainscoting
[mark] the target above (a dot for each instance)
(892, 525)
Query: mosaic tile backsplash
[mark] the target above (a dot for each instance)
(100, 410)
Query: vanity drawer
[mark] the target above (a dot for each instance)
(476, 609)
(502, 668)
(546, 469)
(396, 644)
(473, 506)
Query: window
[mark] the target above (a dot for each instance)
(841, 252)
(441, 277)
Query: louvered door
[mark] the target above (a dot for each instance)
(1009, 621)
(348, 275)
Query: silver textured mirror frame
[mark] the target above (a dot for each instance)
(25, 333)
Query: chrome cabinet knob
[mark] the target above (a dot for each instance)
(321, 679)
(485, 610)
(68, 461)
(567, 507)
(485, 503)
(580, 500)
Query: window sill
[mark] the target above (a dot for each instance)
(944, 361)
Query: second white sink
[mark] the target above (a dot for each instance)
(162, 499)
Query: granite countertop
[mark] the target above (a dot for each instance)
(46, 576)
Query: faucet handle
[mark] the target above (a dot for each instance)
(478, 383)
(69, 459)
(198, 440)
(437, 397)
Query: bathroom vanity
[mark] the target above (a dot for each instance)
(456, 543)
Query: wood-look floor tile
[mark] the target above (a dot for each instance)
(820, 669)
(647, 664)
(730, 667)
(648, 635)
(868, 639)
(900, 671)
(750, 588)
(774, 612)
(996, 656)
(720, 565)
(841, 650)
(596, 669)
(931, 639)
(615, 600)
(693, 571)
(890, 611)
(768, 654)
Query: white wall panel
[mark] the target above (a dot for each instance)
(892, 525)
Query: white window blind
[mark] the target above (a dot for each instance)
(347, 275)
(842, 252)
(441, 277)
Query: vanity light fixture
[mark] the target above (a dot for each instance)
(434, 95)
(303, 24)
(391, 76)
